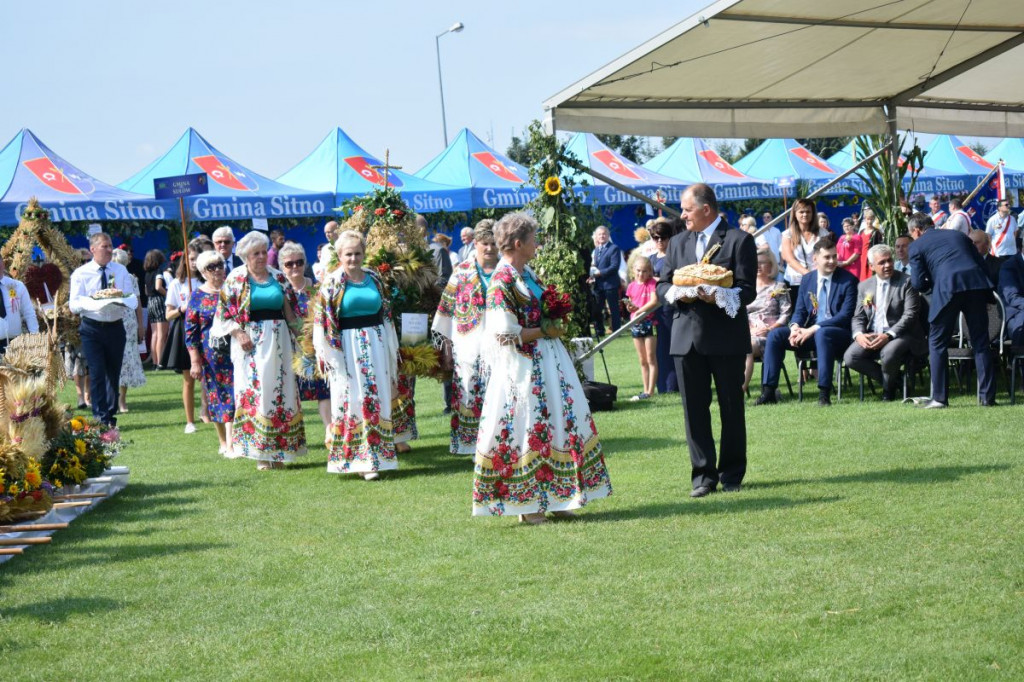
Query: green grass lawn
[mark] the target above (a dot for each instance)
(871, 541)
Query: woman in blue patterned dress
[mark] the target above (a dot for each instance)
(212, 365)
(460, 323)
(357, 348)
(292, 259)
(537, 448)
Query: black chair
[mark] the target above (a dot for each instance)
(1016, 356)
(807, 359)
(785, 375)
(962, 354)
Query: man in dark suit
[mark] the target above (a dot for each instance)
(886, 323)
(1011, 288)
(946, 263)
(604, 270)
(824, 313)
(224, 242)
(708, 344)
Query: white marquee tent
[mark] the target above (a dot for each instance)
(813, 68)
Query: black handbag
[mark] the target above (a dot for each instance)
(601, 397)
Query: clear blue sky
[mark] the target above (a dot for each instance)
(111, 84)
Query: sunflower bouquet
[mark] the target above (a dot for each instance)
(23, 491)
(83, 449)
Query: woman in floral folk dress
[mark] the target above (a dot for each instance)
(212, 365)
(537, 448)
(356, 346)
(460, 322)
(256, 307)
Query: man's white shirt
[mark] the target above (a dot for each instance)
(21, 314)
(88, 279)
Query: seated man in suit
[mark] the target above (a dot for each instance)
(886, 323)
(983, 243)
(824, 311)
(946, 263)
(1011, 288)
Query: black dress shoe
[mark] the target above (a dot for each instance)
(767, 397)
(989, 403)
(702, 491)
(731, 487)
(824, 397)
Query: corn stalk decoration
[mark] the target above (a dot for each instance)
(883, 180)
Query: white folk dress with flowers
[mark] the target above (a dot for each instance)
(537, 447)
(132, 375)
(460, 318)
(361, 366)
(268, 415)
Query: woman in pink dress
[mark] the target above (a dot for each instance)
(849, 248)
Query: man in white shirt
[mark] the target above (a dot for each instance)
(468, 249)
(772, 238)
(886, 323)
(15, 309)
(958, 218)
(939, 217)
(102, 331)
(1002, 230)
(903, 254)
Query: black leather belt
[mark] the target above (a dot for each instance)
(100, 323)
(261, 315)
(360, 321)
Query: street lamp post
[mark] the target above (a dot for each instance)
(455, 28)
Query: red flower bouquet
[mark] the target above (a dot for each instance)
(555, 305)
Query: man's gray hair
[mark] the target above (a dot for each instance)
(601, 228)
(97, 237)
(224, 232)
(878, 250)
(511, 227)
(250, 241)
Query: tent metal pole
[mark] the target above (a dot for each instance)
(619, 186)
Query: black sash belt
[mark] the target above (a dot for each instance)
(359, 321)
(260, 315)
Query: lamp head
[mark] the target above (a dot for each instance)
(456, 27)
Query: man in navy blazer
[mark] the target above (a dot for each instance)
(604, 270)
(708, 344)
(946, 263)
(1011, 287)
(824, 313)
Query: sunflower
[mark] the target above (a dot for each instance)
(553, 186)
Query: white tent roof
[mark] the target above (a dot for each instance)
(813, 68)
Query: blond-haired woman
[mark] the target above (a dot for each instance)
(356, 346)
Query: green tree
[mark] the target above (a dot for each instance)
(978, 147)
(636, 149)
(728, 150)
(824, 146)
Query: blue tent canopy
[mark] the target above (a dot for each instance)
(28, 168)
(495, 180)
(950, 154)
(929, 180)
(235, 191)
(594, 153)
(690, 159)
(781, 158)
(340, 166)
(1010, 150)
